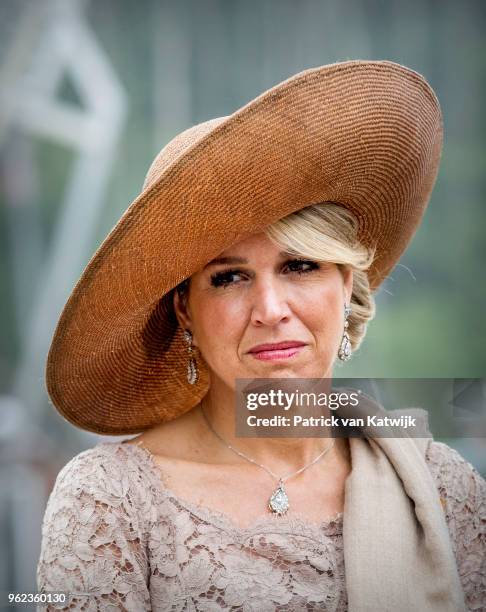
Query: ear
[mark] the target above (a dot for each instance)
(181, 310)
(347, 273)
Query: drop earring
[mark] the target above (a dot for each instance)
(192, 371)
(344, 352)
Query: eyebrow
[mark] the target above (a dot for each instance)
(236, 260)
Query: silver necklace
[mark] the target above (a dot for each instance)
(279, 501)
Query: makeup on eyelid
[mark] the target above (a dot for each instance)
(217, 279)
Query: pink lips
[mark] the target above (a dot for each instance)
(278, 350)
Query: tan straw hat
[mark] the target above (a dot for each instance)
(365, 134)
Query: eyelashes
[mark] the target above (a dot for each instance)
(296, 266)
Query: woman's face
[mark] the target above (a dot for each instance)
(254, 294)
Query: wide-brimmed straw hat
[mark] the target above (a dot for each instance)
(365, 134)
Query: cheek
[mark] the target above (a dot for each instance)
(323, 309)
(218, 327)
(324, 319)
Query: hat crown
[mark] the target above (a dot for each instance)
(177, 147)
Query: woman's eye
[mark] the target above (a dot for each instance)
(301, 266)
(233, 277)
(222, 279)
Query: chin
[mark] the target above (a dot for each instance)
(286, 371)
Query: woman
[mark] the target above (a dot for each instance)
(253, 252)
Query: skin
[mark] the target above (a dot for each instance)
(264, 300)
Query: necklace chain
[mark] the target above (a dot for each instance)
(279, 479)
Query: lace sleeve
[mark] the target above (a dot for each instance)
(92, 538)
(463, 497)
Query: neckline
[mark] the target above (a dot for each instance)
(294, 524)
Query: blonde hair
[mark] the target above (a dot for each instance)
(328, 232)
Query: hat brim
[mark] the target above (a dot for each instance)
(366, 134)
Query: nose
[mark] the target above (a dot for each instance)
(269, 305)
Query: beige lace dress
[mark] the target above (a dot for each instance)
(115, 537)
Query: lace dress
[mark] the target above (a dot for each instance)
(116, 536)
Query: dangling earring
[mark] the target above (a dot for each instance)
(192, 372)
(344, 352)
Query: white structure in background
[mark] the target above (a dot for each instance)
(52, 41)
(66, 47)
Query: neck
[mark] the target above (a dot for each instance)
(282, 454)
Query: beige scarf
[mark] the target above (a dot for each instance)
(397, 549)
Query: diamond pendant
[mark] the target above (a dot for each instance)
(191, 372)
(345, 349)
(279, 502)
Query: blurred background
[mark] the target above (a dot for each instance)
(91, 91)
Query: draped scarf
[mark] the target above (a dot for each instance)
(397, 549)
